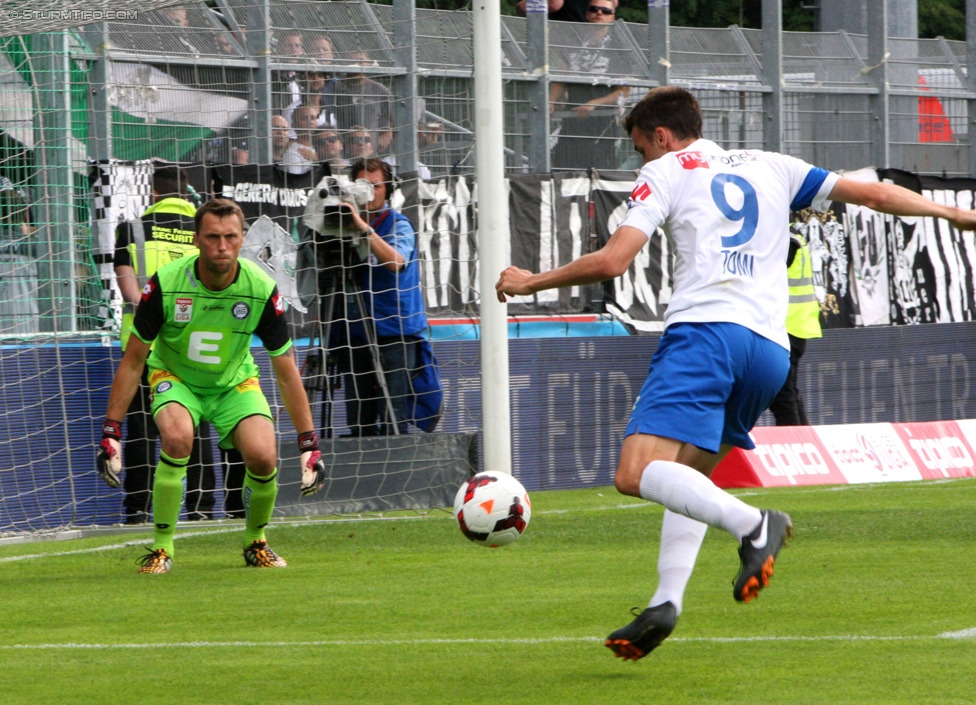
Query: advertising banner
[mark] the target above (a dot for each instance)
(851, 454)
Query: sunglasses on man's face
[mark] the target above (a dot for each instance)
(361, 140)
(601, 10)
(331, 139)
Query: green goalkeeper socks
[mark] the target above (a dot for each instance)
(259, 500)
(168, 490)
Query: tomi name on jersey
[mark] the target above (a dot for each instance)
(738, 264)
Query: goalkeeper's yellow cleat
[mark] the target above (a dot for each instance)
(155, 561)
(260, 555)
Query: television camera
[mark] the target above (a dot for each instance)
(328, 215)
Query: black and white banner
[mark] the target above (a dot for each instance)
(264, 190)
(870, 269)
(640, 297)
(930, 263)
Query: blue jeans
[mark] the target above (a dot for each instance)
(366, 408)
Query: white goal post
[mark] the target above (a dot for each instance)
(492, 236)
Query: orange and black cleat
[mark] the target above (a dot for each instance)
(260, 555)
(644, 634)
(155, 562)
(757, 554)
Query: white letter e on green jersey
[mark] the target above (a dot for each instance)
(204, 342)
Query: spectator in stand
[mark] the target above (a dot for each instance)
(360, 101)
(304, 126)
(18, 263)
(224, 44)
(315, 97)
(429, 135)
(162, 234)
(329, 148)
(290, 155)
(588, 141)
(240, 154)
(321, 52)
(177, 15)
(430, 146)
(385, 149)
(390, 157)
(287, 89)
(563, 10)
(237, 140)
(359, 143)
(291, 45)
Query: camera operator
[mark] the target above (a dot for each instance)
(389, 280)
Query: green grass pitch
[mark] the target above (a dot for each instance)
(872, 602)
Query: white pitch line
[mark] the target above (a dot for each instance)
(340, 520)
(965, 634)
(336, 520)
(147, 537)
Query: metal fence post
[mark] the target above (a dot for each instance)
(99, 107)
(772, 66)
(55, 207)
(971, 81)
(877, 71)
(407, 109)
(659, 41)
(537, 53)
(261, 108)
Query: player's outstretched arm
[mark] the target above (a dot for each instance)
(608, 262)
(897, 200)
(296, 404)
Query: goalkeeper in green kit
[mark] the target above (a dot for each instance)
(193, 329)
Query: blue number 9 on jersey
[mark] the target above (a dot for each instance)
(748, 213)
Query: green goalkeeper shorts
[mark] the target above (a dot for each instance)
(223, 409)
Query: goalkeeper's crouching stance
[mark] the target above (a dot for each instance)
(193, 328)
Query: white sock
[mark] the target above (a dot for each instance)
(686, 491)
(681, 538)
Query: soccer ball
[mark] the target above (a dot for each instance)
(492, 509)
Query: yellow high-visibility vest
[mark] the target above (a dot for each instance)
(803, 314)
(163, 245)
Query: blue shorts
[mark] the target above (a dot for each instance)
(708, 385)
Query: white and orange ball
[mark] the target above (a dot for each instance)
(492, 509)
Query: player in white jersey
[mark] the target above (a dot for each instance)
(723, 212)
(724, 354)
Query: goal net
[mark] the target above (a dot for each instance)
(256, 101)
(95, 101)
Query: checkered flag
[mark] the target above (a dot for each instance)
(120, 191)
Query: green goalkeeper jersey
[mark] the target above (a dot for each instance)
(204, 337)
